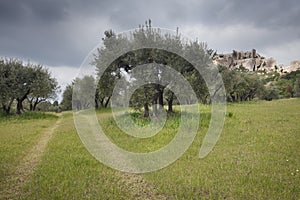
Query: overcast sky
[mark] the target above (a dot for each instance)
(60, 33)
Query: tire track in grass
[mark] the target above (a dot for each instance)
(15, 181)
(135, 184)
(139, 188)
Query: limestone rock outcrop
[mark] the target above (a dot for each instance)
(252, 61)
(294, 66)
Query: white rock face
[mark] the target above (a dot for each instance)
(252, 61)
(294, 66)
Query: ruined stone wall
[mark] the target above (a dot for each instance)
(249, 60)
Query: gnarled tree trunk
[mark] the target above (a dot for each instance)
(146, 110)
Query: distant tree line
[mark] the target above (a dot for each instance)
(24, 83)
(242, 85)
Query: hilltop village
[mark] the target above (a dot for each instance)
(252, 61)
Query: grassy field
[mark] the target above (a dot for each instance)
(256, 157)
(17, 136)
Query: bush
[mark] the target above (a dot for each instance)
(270, 94)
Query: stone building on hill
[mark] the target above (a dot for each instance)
(252, 61)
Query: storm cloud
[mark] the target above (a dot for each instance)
(60, 33)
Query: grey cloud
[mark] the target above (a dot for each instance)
(47, 11)
(272, 14)
(60, 32)
(19, 11)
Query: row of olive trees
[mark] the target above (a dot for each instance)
(20, 82)
(243, 85)
(297, 85)
(287, 85)
(239, 85)
(151, 94)
(81, 96)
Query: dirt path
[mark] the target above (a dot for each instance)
(26, 168)
(139, 188)
(135, 184)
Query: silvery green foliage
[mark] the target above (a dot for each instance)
(20, 82)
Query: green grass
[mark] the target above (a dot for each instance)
(67, 171)
(17, 135)
(248, 162)
(27, 116)
(256, 157)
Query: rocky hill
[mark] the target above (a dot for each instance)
(252, 61)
